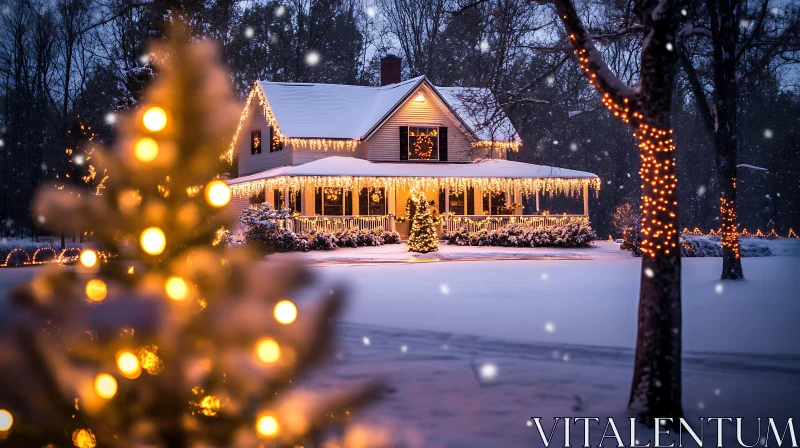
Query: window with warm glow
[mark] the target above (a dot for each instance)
(458, 203)
(423, 143)
(495, 204)
(372, 201)
(332, 201)
(255, 142)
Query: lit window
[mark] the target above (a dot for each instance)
(372, 201)
(255, 142)
(423, 143)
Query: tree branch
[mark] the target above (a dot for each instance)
(756, 30)
(697, 90)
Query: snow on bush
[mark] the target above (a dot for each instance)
(266, 233)
(709, 246)
(572, 234)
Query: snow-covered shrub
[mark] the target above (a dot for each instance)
(389, 236)
(572, 234)
(627, 220)
(322, 240)
(263, 215)
(710, 246)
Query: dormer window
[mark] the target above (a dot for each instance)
(255, 142)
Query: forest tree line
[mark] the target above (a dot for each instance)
(79, 61)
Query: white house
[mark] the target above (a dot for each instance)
(344, 156)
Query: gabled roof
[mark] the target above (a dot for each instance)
(338, 111)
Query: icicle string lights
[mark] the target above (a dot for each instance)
(659, 196)
(528, 186)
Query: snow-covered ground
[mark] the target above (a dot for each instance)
(576, 300)
(559, 327)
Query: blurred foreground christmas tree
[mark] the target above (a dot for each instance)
(422, 237)
(168, 341)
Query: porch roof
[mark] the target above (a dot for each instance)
(351, 166)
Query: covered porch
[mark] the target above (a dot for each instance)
(337, 193)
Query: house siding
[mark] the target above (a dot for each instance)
(384, 144)
(254, 163)
(305, 155)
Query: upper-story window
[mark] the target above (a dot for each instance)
(423, 143)
(255, 142)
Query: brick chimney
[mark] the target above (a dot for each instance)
(390, 69)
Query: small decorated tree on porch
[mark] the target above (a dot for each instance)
(422, 237)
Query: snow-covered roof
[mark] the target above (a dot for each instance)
(351, 166)
(338, 111)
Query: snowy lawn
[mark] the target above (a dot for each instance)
(585, 302)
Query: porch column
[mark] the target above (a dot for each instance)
(285, 198)
(356, 208)
(446, 207)
(586, 199)
(390, 205)
(537, 200)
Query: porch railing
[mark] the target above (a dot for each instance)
(473, 223)
(305, 224)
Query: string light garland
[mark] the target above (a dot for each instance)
(729, 235)
(528, 186)
(314, 144)
(502, 147)
(659, 195)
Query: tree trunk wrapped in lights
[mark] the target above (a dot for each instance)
(422, 237)
(171, 340)
(656, 385)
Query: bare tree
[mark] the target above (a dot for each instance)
(656, 386)
(743, 37)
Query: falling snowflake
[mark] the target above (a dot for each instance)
(768, 133)
(273, 39)
(444, 288)
(550, 80)
(565, 358)
(669, 46)
(144, 59)
(484, 46)
(2, 143)
(649, 273)
(529, 423)
(488, 371)
(555, 142)
(629, 174)
(684, 12)
(545, 276)
(573, 146)
(445, 347)
(776, 11)
(744, 24)
(78, 160)
(366, 341)
(312, 58)
(588, 140)
(111, 118)
(371, 12)
(701, 191)
(718, 288)
(249, 32)
(41, 219)
(717, 391)
(549, 327)
(701, 405)
(404, 348)
(339, 355)
(280, 11)
(44, 167)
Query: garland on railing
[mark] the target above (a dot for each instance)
(516, 219)
(65, 256)
(757, 234)
(528, 186)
